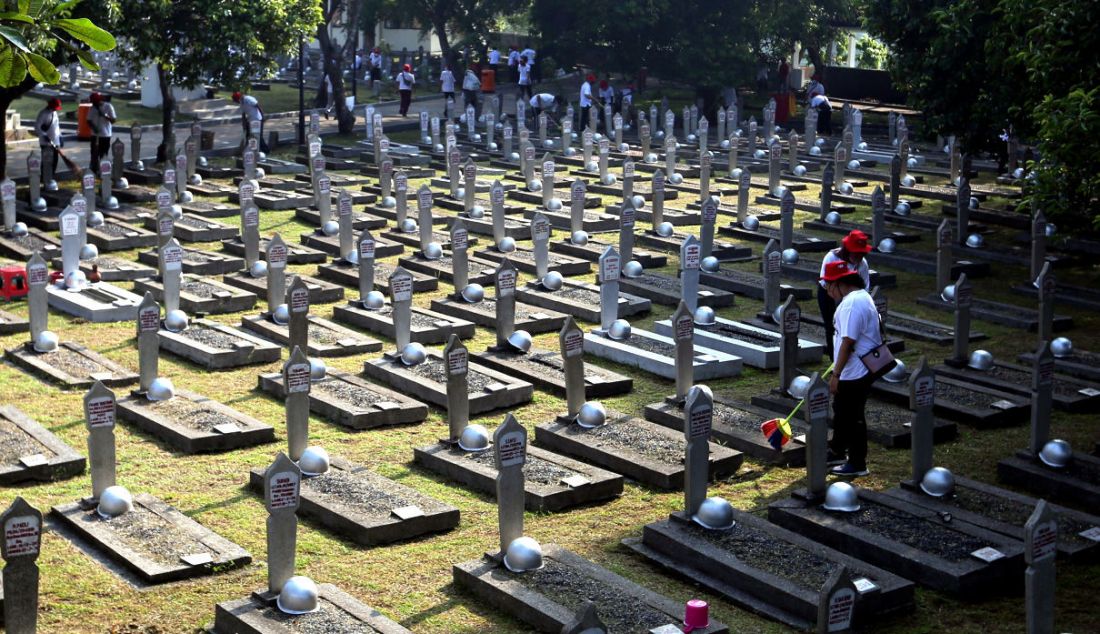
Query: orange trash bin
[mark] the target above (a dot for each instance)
(83, 129)
(488, 80)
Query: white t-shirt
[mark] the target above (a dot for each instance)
(513, 57)
(607, 95)
(586, 95)
(447, 80)
(251, 108)
(375, 60)
(52, 136)
(99, 119)
(525, 74)
(857, 319)
(543, 100)
(864, 268)
(405, 80)
(470, 80)
(494, 56)
(817, 100)
(529, 53)
(815, 88)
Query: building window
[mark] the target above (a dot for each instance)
(402, 23)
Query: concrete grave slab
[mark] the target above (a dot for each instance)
(366, 508)
(1080, 363)
(331, 245)
(216, 346)
(481, 271)
(547, 599)
(964, 402)
(426, 326)
(72, 366)
(199, 262)
(1069, 394)
(489, 390)
(656, 354)
(113, 269)
(32, 452)
(579, 299)
(1009, 315)
(524, 260)
(768, 570)
(544, 369)
(724, 251)
(757, 347)
(809, 269)
(99, 302)
(154, 561)
(804, 244)
(955, 557)
(359, 220)
(638, 449)
(750, 284)
(515, 229)
(117, 236)
(552, 482)
(11, 324)
(346, 274)
(211, 209)
(256, 616)
(533, 319)
(350, 401)
(196, 229)
(22, 248)
(326, 338)
(193, 423)
(593, 249)
(665, 290)
(202, 295)
(320, 291)
(1078, 484)
(295, 253)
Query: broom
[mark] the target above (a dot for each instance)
(777, 431)
(76, 169)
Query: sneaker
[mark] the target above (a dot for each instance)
(832, 459)
(849, 470)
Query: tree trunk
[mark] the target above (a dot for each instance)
(439, 23)
(7, 96)
(344, 117)
(168, 117)
(814, 53)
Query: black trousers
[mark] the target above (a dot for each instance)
(406, 100)
(828, 311)
(248, 134)
(101, 147)
(849, 419)
(525, 89)
(49, 156)
(825, 119)
(583, 123)
(469, 98)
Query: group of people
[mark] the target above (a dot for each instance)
(100, 118)
(604, 96)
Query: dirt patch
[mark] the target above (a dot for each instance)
(620, 612)
(16, 443)
(912, 531)
(155, 537)
(329, 619)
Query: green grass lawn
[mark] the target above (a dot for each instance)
(411, 581)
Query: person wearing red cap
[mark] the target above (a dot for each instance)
(586, 99)
(48, 127)
(852, 250)
(251, 111)
(858, 332)
(405, 82)
(100, 118)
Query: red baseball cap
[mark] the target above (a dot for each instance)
(590, 78)
(407, 68)
(237, 97)
(836, 270)
(53, 103)
(96, 97)
(857, 242)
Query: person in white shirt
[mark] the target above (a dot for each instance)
(513, 62)
(529, 53)
(405, 82)
(586, 100)
(858, 332)
(494, 56)
(471, 87)
(626, 105)
(524, 77)
(48, 127)
(824, 113)
(544, 101)
(101, 118)
(853, 250)
(447, 83)
(375, 61)
(251, 111)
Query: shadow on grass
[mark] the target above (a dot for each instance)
(244, 494)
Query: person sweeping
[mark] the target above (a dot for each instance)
(48, 128)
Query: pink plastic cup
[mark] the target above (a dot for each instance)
(696, 615)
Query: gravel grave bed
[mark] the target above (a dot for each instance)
(619, 611)
(73, 363)
(432, 368)
(109, 263)
(911, 531)
(908, 324)
(886, 415)
(416, 320)
(16, 443)
(1083, 357)
(665, 283)
(348, 393)
(210, 337)
(366, 492)
(962, 396)
(580, 294)
(1083, 471)
(738, 333)
(734, 274)
(535, 470)
(1012, 512)
(198, 288)
(543, 360)
(189, 414)
(154, 537)
(30, 242)
(193, 222)
(631, 437)
(1023, 378)
(195, 257)
(1005, 309)
(329, 619)
(764, 552)
(746, 421)
(115, 229)
(651, 345)
(488, 305)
